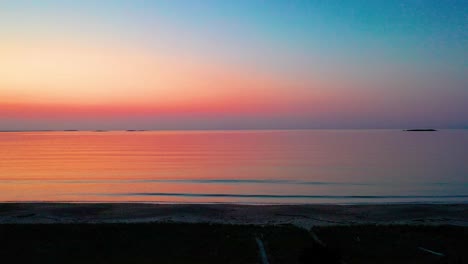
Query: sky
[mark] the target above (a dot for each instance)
(244, 64)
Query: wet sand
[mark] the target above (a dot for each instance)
(305, 216)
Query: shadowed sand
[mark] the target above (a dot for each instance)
(304, 216)
(227, 233)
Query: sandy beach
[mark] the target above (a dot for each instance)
(305, 216)
(171, 233)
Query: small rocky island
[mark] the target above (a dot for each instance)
(420, 130)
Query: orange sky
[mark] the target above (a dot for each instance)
(63, 78)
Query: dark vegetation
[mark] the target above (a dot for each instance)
(396, 244)
(149, 243)
(205, 243)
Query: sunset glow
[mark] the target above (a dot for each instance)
(248, 64)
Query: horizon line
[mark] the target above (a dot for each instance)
(215, 129)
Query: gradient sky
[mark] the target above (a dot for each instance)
(233, 64)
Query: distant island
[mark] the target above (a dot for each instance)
(420, 130)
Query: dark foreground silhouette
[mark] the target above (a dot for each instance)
(205, 243)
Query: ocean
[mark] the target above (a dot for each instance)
(246, 166)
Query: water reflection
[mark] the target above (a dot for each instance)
(234, 166)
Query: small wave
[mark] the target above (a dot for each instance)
(220, 181)
(285, 196)
(251, 181)
(201, 181)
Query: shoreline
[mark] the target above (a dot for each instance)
(304, 216)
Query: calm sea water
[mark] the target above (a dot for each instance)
(300, 166)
